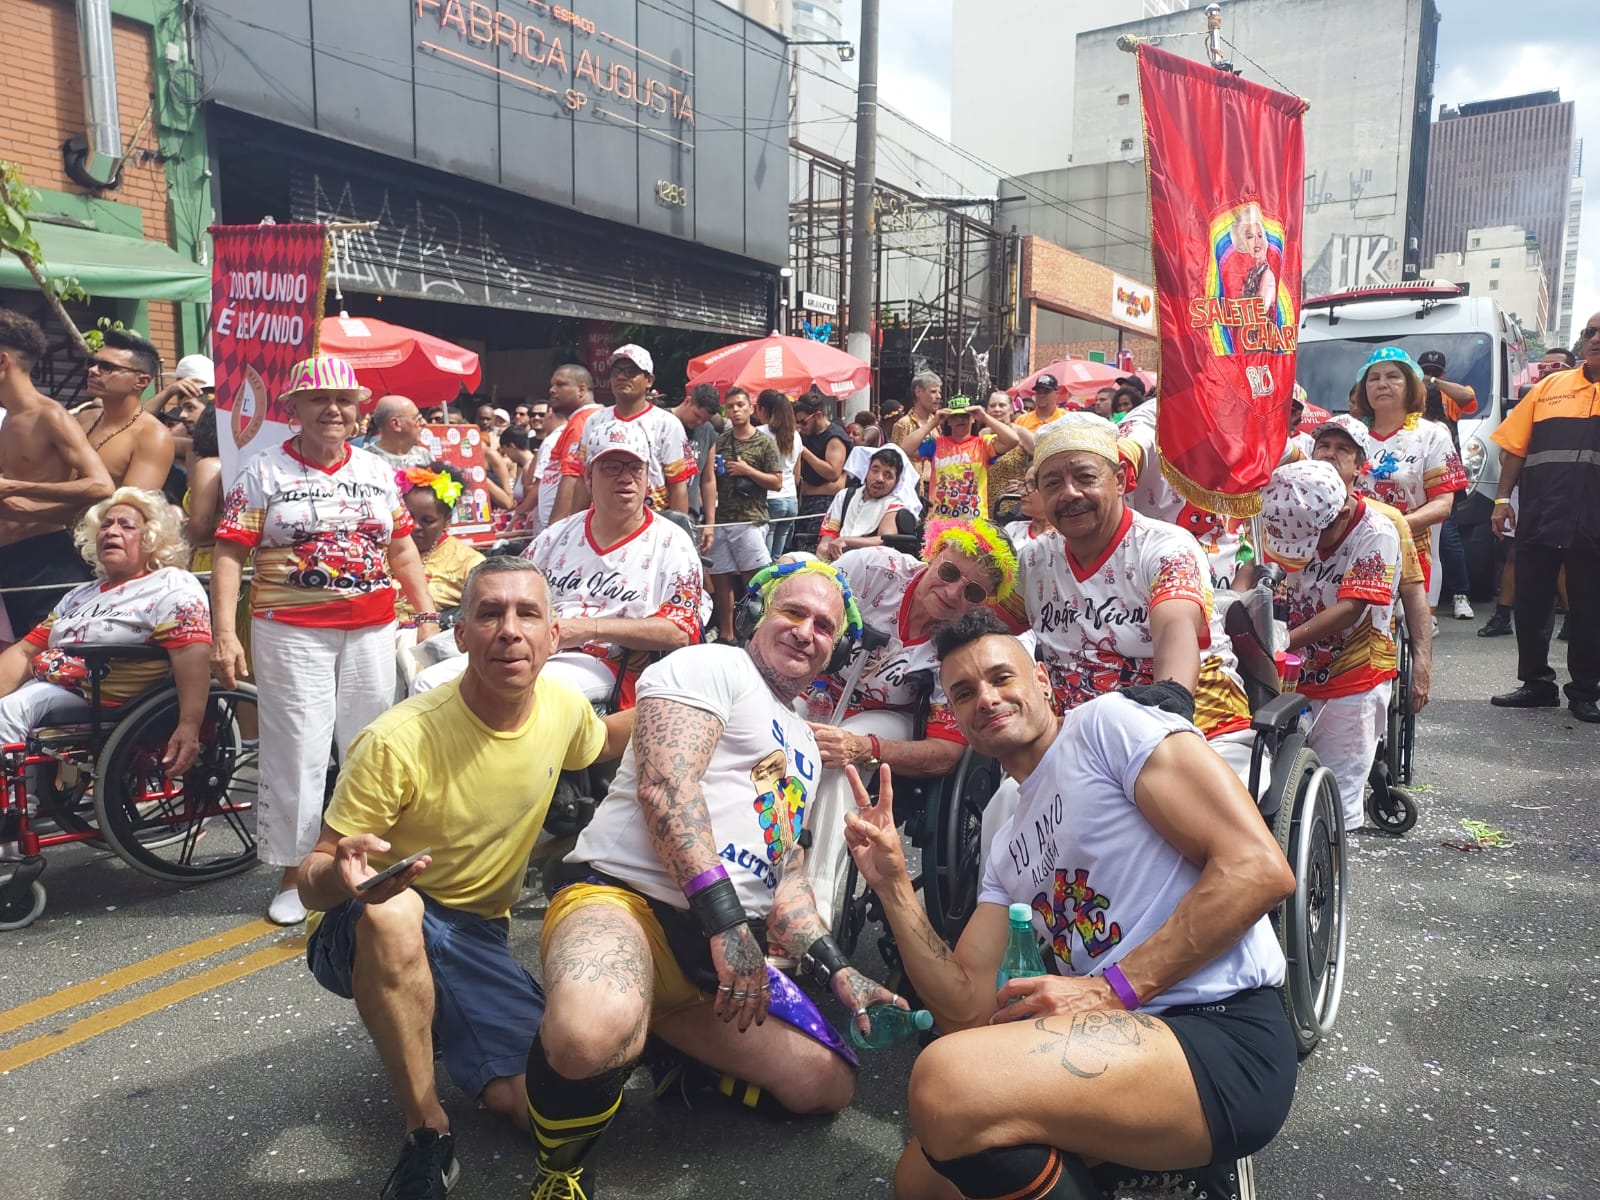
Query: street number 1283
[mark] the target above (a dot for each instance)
(672, 194)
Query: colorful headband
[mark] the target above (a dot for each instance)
(766, 581)
(980, 539)
(445, 488)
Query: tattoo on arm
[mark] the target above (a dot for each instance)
(794, 922)
(673, 744)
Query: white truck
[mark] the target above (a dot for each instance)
(1483, 348)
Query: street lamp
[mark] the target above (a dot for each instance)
(845, 50)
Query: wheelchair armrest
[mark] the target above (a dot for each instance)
(1280, 714)
(873, 638)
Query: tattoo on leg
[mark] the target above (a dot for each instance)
(1092, 1041)
(602, 953)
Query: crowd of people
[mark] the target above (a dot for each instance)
(771, 610)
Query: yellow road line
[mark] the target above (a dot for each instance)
(131, 1010)
(93, 989)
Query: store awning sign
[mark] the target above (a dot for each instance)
(1133, 303)
(1226, 163)
(266, 301)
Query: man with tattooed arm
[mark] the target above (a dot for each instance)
(1159, 1041)
(694, 857)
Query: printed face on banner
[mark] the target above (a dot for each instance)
(1247, 308)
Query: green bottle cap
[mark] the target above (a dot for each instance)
(1022, 914)
(922, 1019)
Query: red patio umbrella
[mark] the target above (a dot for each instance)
(391, 359)
(1315, 417)
(1074, 375)
(789, 364)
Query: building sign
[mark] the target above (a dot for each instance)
(666, 115)
(1133, 302)
(811, 302)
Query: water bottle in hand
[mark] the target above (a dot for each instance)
(891, 1025)
(819, 705)
(1021, 960)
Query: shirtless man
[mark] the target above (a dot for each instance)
(135, 447)
(48, 474)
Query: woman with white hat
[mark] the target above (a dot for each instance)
(329, 537)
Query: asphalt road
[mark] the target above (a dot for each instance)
(1462, 1065)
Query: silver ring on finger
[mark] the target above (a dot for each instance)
(741, 995)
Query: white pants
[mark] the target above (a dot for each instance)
(1344, 733)
(582, 671)
(828, 860)
(36, 704)
(317, 689)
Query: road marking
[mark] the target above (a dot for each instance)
(131, 1010)
(93, 989)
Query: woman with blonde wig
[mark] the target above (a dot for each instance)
(142, 597)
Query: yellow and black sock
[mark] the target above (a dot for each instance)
(569, 1115)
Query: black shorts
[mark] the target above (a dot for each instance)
(46, 558)
(1242, 1054)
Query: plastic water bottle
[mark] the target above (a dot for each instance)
(1022, 960)
(819, 705)
(891, 1025)
(722, 467)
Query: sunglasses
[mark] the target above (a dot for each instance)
(104, 367)
(973, 593)
(1588, 332)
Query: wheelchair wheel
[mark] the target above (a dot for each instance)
(24, 910)
(1400, 734)
(201, 826)
(950, 880)
(1395, 812)
(1311, 923)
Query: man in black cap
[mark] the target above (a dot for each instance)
(1045, 409)
(1447, 403)
(823, 449)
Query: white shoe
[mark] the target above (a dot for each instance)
(1436, 625)
(1463, 609)
(286, 908)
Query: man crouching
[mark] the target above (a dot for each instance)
(1162, 1043)
(692, 859)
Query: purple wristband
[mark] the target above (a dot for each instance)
(1120, 985)
(704, 880)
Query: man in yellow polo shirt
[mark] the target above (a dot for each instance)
(1550, 446)
(464, 772)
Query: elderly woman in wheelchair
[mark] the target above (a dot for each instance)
(143, 597)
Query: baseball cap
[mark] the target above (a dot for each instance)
(622, 437)
(1132, 381)
(637, 355)
(1351, 428)
(1076, 431)
(196, 366)
(502, 416)
(1431, 360)
(807, 404)
(1046, 383)
(959, 404)
(1298, 503)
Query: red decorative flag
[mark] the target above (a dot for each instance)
(266, 310)
(1226, 161)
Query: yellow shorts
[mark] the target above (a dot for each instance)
(672, 991)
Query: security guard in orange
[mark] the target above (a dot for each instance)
(1550, 445)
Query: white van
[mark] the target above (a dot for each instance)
(1483, 348)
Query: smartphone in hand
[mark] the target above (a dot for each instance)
(390, 872)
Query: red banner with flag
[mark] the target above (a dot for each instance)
(266, 312)
(1226, 164)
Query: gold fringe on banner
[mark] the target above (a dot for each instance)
(1221, 503)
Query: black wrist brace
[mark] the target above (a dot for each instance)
(823, 960)
(717, 907)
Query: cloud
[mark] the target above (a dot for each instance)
(914, 57)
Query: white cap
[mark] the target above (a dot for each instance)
(622, 437)
(637, 355)
(196, 366)
(502, 416)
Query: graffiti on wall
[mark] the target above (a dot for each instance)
(1352, 260)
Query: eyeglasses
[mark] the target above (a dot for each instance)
(1588, 332)
(973, 593)
(616, 466)
(1029, 485)
(101, 365)
(539, 414)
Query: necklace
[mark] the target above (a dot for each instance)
(97, 446)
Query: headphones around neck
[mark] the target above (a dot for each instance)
(747, 615)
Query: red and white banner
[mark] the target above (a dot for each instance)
(1226, 162)
(266, 309)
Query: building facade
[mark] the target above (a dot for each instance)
(1563, 326)
(1366, 135)
(1503, 162)
(1505, 263)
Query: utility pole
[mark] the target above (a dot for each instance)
(858, 331)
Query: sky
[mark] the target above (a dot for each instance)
(1487, 49)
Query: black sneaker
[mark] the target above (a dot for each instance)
(1498, 625)
(575, 1184)
(1228, 1180)
(427, 1168)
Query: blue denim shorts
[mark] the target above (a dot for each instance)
(486, 1008)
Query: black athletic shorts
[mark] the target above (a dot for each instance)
(1242, 1053)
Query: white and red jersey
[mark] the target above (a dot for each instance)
(672, 455)
(1093, 619)
(881, 581)
(1360, 567)
(1412, 465)
(653, 572)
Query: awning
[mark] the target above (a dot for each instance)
(111, 266)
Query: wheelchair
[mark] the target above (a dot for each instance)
(1390, 804)
(100, 780)
(1299, 800)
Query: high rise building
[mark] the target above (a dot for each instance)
(1561, 328)
(1505, 264)
(1013, 74)
(1504, 162)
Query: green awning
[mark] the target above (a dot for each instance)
(108, 265)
